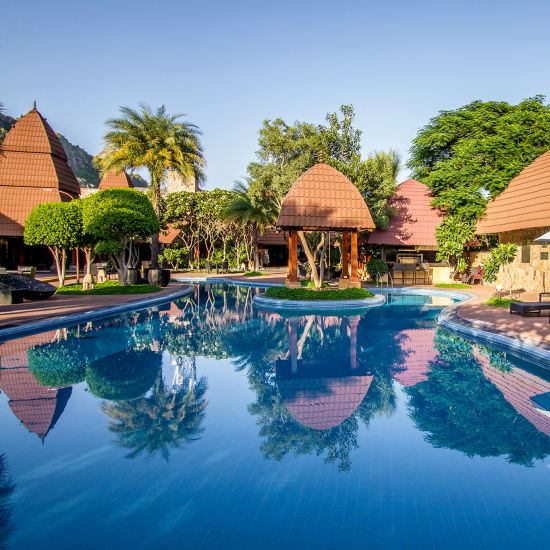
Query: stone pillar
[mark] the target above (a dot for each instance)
(292, 280)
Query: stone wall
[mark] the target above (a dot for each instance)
(175, 183)
(530, 264)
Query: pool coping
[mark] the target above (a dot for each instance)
(63, 321)
(319, 305)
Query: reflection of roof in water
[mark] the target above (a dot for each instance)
(418, 349)
(323, 403)
(517, 387)
(36, 406)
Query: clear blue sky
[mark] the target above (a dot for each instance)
(230, 65)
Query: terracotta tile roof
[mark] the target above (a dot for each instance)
(115, 179)
(525, 203)
(323, 198)
(36, 406)
(418, 350)
(169, 235)
(33, 169)
(272, 238)
(416, 219)
(517, 387)
(322, 403)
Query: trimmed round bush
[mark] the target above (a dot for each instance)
(124, 375)
(376, 265)
(57, 364)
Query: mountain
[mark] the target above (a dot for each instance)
(80, 160)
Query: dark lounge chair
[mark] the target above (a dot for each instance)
(524, 308)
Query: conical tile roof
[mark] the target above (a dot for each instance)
(115, 179)
(33, 170)
(323, 198)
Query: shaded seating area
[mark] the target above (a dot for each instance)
(323, 199)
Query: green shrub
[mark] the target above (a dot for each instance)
(375, 266)
(311, 284)
(107, 288)
(501, 255)
(57, 364)
(452, 285)
(283, 293)
(253, 274)
(499, 302)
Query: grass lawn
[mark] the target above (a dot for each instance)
(108, 287)
(254, 274)
(499, 302)
(452, 285)
(283, 293)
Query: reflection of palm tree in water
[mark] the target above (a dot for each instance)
(7, 487)
(161, 421)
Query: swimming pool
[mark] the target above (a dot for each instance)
(209, 423)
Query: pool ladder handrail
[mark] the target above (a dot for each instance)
(379, 280)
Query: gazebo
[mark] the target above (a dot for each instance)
(323, 199)
(113, 179)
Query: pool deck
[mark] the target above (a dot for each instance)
(498, 319)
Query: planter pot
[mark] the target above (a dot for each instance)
(165, 277)
(9, 296)
(133, 276)
(154, 276)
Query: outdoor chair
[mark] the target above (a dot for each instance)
(475, 275)
(525, 308)
(423, 274)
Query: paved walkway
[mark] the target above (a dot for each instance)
(537, 328)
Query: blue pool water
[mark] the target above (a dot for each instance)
(209, 423)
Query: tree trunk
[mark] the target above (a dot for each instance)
(310, 259)
(325, 242)
(155, 249)
(255, 250)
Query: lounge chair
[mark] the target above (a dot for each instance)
(524, 308)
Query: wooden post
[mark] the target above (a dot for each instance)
(77, 266)
(344, 279)
(353, 322)
(292, 280)
(354, 280)
(293, 343)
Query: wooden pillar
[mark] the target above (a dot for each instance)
(292, 280)
(354, 279)
(353, 322)
(293, 343)
(345, 254)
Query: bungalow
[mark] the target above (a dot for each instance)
(519, 215)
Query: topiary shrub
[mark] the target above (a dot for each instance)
(376, 265)
(57, 364)
(124, 375)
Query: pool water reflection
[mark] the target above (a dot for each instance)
(210, 423)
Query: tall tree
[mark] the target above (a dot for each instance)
(470, 154)
(157, 141)
(247, 210)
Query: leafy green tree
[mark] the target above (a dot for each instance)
(157, 141)
(58, 225)
(115, 218)
(7, 487)
(452, 234)
(160, 421)
(247, 210)
(501, 256)
(469, 154)
(459, 408)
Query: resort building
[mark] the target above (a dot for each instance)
(411, 231)
(519, 215)
(33, 170)
(176, 183)
(37, 407)
(111, 179)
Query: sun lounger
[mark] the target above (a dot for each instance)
(524, 308)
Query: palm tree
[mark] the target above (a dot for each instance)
(160, 421)
(247, 211)
(157, 141)
(7, 486)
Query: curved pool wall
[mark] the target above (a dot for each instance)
(320, 305)
(94, 315)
